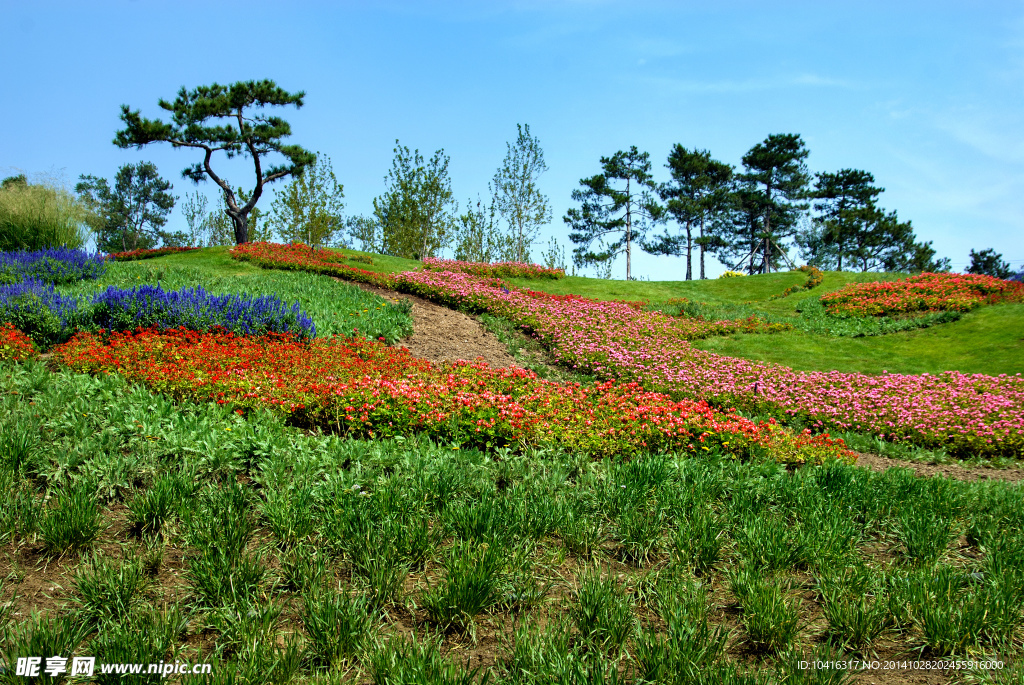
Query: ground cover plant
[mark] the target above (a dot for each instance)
(962, 413)
(362, 387)
(925, 292)
(301, 257)
(126, 296)
(14, 345)
(495, 270)
(336, 308)
(135, 255)
(165, 531)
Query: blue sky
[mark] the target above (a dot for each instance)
(926, 96)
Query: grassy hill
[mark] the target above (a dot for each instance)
(989, 340)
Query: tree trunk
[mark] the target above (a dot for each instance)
(689, 253)
(702, 277)
(241, 222)
(629, 232)
(767, 255)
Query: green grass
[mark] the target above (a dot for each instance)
(989, 340)
(335, 307)
(739, 567)
(714, 291)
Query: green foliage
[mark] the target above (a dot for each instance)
(695, 197)
(109, 591)
(766, 201)
(51, 635)
(131, 213)
(35, 216)
(989, 263)
(430, 501)
(416, 213)
(247, 133)
(516, 195)
(335, 307)
(611, 213)
(338, 625)
(770, 618)
(72, 521)
(308, 209)
(478, 237)
(414, 662)
(148, 637)
(602, 613)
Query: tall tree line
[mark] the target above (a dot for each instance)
(749, 218)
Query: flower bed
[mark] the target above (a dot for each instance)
(38, 310)
(49, 317)
(967, 414)
(964, 413)
(495, 270)
(301, 257)
(362, 387)
(15, 345)
(926, 292)
(195, 309)
(53, 265)
(135, 255)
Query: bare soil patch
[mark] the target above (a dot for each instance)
(953, 471)
(444, 335)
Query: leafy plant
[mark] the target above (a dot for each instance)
(338, 625)
(73, 520)
(471, 585)
(602, 612)
(107, 590)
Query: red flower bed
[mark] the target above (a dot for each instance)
(923, 293)
(301, 257)
(134, 255)
(15, 345)
(362, 387)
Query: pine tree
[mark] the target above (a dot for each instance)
(845, 202)
(696, 195)
(617, 208)
(133, 212)
(989, 263)
(777, 172)
(246, 133)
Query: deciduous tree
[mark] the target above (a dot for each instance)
(617, 207)
(417, 211)
(239, 128)
(308, 209)
(478, 238)
(516, 195)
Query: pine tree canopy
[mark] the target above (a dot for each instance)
(239, 129)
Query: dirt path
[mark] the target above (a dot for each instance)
(445, 335)
(954, 471)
